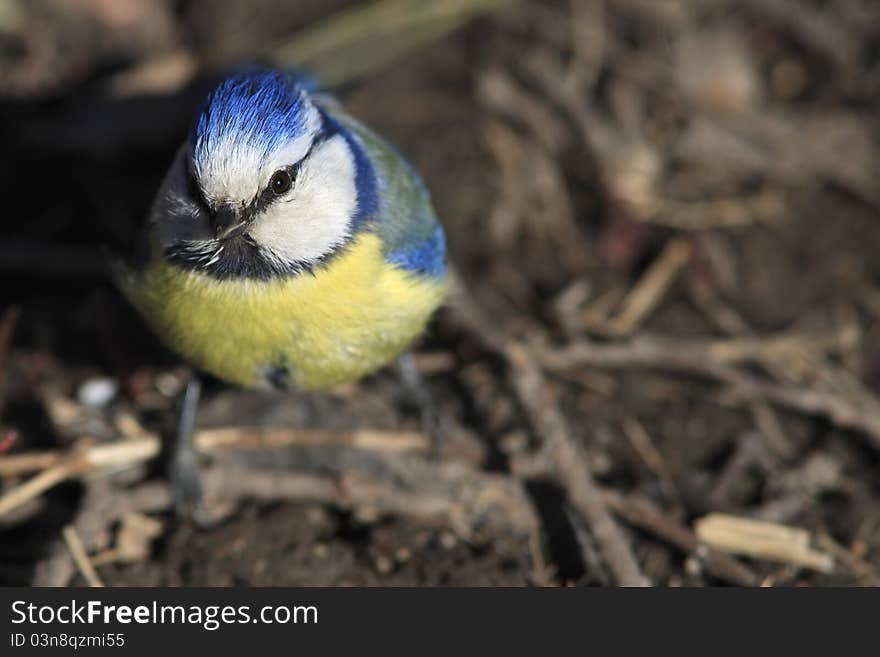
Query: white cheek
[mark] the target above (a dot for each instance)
(317, 215)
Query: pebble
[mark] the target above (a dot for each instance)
(97, 392)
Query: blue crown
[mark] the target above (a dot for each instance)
(257, 109)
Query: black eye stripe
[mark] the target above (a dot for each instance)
(326, 132)
(293, 170)
(269, 195)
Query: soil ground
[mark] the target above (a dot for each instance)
(624, 173)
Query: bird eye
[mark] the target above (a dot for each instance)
(280, 182)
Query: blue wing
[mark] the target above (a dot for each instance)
(395, 202)
(426, 256)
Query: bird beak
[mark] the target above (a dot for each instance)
(228, 223)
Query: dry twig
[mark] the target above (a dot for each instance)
(126, 453)
(762, 540)
(80, 558)
(558, 446)
(649, 291)
(570, 466)
(445, 495)
(711, 359)
(642, 514)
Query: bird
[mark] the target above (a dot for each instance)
(289, 246)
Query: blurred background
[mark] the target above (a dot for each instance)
(662, 360)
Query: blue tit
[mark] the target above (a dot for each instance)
(288, 245)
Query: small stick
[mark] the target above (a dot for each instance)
(541, 572)
(41, 483)
(549, 424)
(80, 558)
(394, 442)
(709, 359)
(857, 566)
(595, 316)
(762, 540)
(642, 514)
(641, 441)
(137, 450)
(571, 467)
(649, 291)
(694, 353)
(15, 465)
(469, 503)
(213, 440)
(770, 427)
(729, 320)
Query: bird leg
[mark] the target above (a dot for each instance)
(183, 466)
(420, 396)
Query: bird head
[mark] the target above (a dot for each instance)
(267, 183)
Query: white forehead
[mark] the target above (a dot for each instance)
(238, 170)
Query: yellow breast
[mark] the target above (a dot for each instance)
(351, 317)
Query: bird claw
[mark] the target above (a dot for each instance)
(187, 492)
